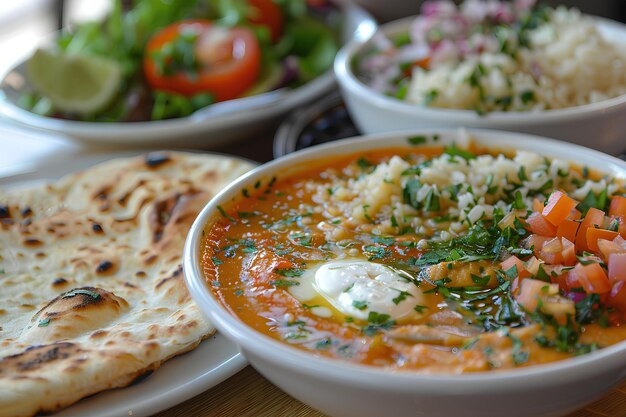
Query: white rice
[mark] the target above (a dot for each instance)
(569, 64)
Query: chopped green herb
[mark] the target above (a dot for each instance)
(401, 297)
(527, 96)
(417, 140)
(225, 215)
(359, 304)
(453, 150)
(419, 308)
(289, 272)
(482, 281)
(283, 283)
(364, 163)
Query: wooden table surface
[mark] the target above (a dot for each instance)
(246, 394)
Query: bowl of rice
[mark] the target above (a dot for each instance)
(505, 65)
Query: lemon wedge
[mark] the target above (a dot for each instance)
(74, 83)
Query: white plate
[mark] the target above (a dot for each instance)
(178, 379)
(213, 126)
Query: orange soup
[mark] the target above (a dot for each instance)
(440, 259)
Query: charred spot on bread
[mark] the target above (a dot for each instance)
(177, 273)
(35, 357)
(33, 242)
(5, 211)
(26, 212)
(156, 159)
(59, 282)
(104, 267)
(97, 228)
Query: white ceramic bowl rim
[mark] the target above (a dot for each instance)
(275, 351)
(343, 71)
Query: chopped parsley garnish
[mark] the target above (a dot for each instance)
(364, 163)
(417, 140)
(401, 297)
(359, 304)
(419, 308)
(283, 283)
(289, 272)
(453, 150)
(225, 215)
(377, 322)
(527, 96)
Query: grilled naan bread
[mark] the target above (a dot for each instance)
(91, 287)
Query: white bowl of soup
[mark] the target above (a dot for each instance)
(467, 66)
(432, 272)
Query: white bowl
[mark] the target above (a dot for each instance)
(343, 389)
(213, 126)
(600, 125)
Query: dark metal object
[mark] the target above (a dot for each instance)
(59, 8)
(321, 122)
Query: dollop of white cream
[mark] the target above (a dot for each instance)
(358, 287)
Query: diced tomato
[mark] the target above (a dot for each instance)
(568, 229)
(540, 226)
(617, 207)
(515, 261)
(568, 252)
(592, 278)
(532, 265)
(559, 278)
(607, 247)
(536, 242)
(617, 267)
(594, 217)
(574, 215)
(551, 251)
(571, 280)
(559, 207)
(621, 229)
(594, 234)
(617, 296)
(529, 293)
(515, 286)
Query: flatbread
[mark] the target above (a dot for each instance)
(92, 294)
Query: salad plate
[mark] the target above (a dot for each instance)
(210, 126)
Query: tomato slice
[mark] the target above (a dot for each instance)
(268, 14)
(223, 62)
